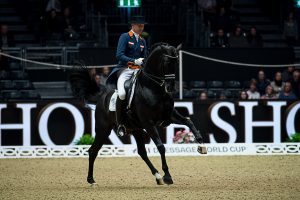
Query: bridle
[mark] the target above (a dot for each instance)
(161, 80)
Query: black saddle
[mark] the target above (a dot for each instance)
(112, 83)
(128, 86)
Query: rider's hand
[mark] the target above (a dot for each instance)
(139, 61)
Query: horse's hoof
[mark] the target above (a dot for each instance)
(159, 181)
(91, 181)
(168, 180)
(202, 149)
(93, 184)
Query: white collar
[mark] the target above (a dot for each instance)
(135, 34)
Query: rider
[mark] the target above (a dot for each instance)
(131, 52)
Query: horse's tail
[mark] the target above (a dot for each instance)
(83, 85)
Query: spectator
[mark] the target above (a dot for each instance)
(6, 38)
(222, 96)
(104, 75)
(243, 95)
(222, 20)
(209, 10)
(70, 3)
(290, 30)
(54, 26)
(68, 24)
(238, 38)
(207, 4)
(277, 84)
(203, 96)
(296, 83)
(53, 5)
(254, 38)
(92, 73)
(225, 3)
(287, 93)
(220, 40)
(269, 94)
(98, 82)
(252, 92)
(287, 74)
(262, 82)
(3, 67)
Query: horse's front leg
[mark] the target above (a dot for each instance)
(179, 119)
(102, 134)
(143, 153)
(162, 150)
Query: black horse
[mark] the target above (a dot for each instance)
(152, 106)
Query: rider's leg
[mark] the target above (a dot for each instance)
(124, 76)
(121, 104)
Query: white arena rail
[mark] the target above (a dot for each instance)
(235, 149)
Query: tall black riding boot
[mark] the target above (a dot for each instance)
(120, 107)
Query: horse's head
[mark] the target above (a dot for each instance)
(161, 65)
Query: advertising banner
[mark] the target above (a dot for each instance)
(64, 122)
(129, 150)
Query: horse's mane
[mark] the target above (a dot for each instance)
(154, 46)
(157, 46)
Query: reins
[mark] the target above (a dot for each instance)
(159, 79)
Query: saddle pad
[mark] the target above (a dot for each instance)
(130, 92)
(112, 102)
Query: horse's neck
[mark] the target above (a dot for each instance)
(152, 67)
(149, 83)
(151, 89)
(153, 64)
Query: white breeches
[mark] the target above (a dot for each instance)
(124, 76)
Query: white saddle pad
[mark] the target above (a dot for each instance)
(113, 99)
(112, 102)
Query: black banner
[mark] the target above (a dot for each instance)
(63, 122)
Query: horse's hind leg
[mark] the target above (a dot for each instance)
(101, 136)
(143, 153)
(179, 119)
(162, 150)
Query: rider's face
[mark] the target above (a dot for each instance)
(138, 28)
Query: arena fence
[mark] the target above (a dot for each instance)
(218, 149)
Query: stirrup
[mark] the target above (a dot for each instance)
(121, 130)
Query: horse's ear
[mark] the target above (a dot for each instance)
(179, 47)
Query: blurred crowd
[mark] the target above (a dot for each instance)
(63, 20)
(238, 39)
(227, 31)
(60, 21)
(283, 86)
(100, 76)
